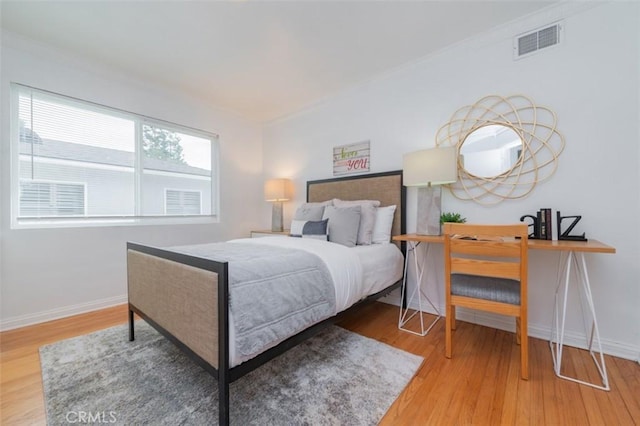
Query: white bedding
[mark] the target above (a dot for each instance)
(382, 265)
(357, 272)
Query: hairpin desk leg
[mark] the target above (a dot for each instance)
(556, 342)
(418, 291)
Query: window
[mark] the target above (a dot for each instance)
(182, 202)
(76, 161)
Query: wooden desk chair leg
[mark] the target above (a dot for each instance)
(518, 330)
(449, 324)
(524, 348)
(453, 317)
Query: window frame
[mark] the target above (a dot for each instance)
(139, 120)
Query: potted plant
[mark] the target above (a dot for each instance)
(452, 217)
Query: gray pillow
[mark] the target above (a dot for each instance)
(367, 217)
(343, 224)
(311, 211)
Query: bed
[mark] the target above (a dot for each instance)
(185, 292)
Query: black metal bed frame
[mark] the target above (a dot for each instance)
(223, 373)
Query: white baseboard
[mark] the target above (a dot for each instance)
(578, 340)
(66, 311)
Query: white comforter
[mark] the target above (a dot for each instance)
(357, 272)
(343, 264)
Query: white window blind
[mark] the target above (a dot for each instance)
(82, 160)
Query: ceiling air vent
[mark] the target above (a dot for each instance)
(533, 41)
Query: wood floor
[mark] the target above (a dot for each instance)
(479, 385)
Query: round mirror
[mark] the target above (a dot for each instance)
(506, 145)
(490, 151)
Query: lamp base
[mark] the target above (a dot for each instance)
(276, 217)
(429, 210)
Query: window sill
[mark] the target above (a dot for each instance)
(112, 222)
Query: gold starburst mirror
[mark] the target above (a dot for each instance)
(506, 145)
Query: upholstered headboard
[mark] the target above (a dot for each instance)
(385, 187)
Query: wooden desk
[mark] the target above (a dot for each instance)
(591, 246)
(571, 255)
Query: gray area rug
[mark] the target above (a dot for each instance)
(335, 378)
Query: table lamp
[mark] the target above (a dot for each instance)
(428, 169)
(276, 191)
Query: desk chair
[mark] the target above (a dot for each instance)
(486, 269)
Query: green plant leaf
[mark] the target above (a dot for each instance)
(452, 217)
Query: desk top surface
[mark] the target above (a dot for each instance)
(591, 246)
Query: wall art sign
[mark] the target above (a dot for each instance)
(353, 158)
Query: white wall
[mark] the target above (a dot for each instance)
(48, 273)
(591, 81)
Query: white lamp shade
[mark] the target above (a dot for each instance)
(278, 190)
(436, 166)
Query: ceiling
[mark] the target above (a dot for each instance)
(260, 59)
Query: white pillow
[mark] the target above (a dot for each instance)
(367, 217)
(383, 224)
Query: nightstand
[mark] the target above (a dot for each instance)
(268, 233)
